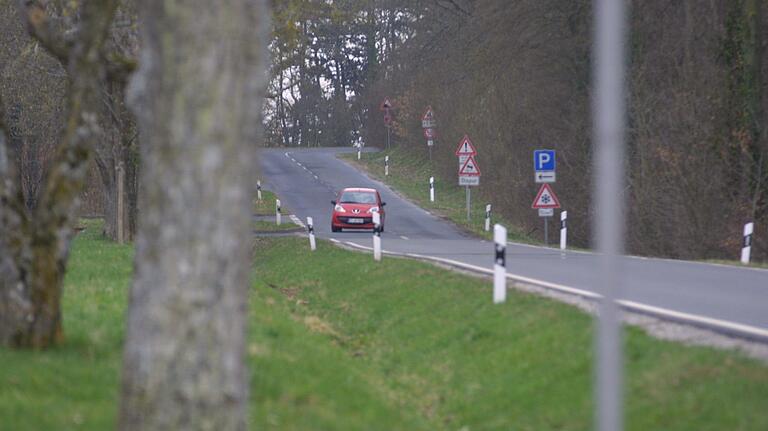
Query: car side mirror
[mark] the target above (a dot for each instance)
(333, 202)
(383, 203)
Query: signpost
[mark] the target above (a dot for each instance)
(469, 170)
(428, 123)
(546, 201)
(544, 165)
(386, 106)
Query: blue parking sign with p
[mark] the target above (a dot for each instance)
(544, 160)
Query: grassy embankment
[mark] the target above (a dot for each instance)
(339, 342)
(266, 207)
(409, 175)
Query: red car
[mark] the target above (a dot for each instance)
(354, 209)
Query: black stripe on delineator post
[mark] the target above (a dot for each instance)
(501, 255)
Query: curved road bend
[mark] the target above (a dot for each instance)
(308, 179)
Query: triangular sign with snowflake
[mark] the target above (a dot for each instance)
(546, 198)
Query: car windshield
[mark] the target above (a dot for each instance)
(357, 198)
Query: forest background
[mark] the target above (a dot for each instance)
(514, 75)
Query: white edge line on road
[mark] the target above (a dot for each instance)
(297, 220)
(661, 259)
(731, 328)
(696, 319)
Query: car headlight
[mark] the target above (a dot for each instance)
(339, 208)
(373, 210)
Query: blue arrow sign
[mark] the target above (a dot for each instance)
(544, 160)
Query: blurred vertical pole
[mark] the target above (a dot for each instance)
(609, 112)
(120, 202)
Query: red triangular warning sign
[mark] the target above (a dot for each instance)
(385, 105)
(470, 168)
(546, 198)
(466, 148)
(429, 115)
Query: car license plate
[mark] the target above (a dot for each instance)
(355, 220)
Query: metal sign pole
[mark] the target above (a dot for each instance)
(467, 202)
(546, 231)
(387, 137)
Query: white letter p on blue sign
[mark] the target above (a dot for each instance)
(544, 160)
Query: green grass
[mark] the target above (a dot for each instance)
(271, 226)
(74, 386)
(409, 175)
(266, 206)
(338, 342)
(758, 265)
(431, 341)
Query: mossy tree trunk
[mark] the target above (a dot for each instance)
(198, 98)
(34, 244)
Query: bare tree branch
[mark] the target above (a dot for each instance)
(38, 24)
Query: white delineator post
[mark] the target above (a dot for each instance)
(278, 212)
(386, 165)
(358, 153)
(377, 236)
(431, 189)
(746, 248)
(488, 217)
(311, 232)
(563, 229)
(500, 264)
(258, 190)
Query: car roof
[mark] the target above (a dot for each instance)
(359, 189)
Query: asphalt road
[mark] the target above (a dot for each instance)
(733, 298)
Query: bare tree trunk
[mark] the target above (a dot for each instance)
(34, 244)
(198, 99)
(115, 149)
